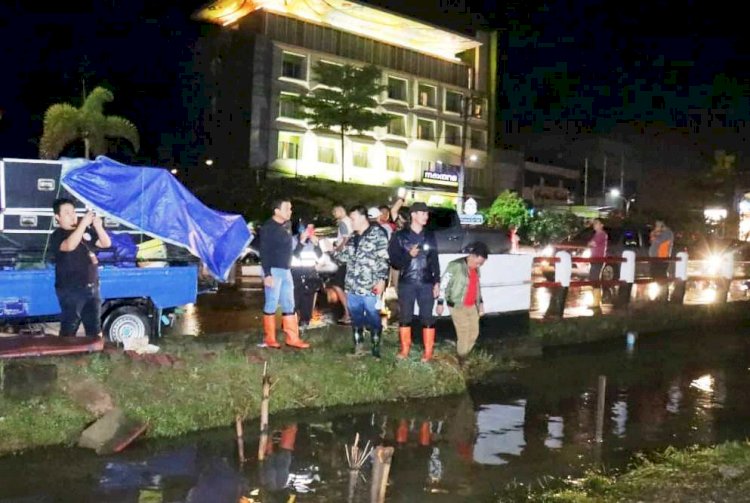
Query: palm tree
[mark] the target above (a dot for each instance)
(65, 124)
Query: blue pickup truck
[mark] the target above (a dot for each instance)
(134, 300)
(135, 200)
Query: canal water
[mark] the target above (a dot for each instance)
(513, 431)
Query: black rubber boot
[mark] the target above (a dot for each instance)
(375, 340)
(357, 334)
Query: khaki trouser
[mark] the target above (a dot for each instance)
(466, 321)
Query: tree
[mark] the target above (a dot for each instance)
(345, 99)
(508, 209)
(65, 124)
(552, 227)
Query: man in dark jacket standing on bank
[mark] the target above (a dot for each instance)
(413, 251)
(278, 286)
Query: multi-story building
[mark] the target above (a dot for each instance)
(436, 88)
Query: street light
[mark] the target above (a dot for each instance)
(616, 194)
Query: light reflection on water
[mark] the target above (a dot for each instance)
(539, 421)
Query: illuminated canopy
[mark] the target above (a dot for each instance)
(352, 17)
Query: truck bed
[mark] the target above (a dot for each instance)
(31, 293)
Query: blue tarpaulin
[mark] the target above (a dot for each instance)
(155, 202)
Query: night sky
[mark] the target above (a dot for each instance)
(573, 60)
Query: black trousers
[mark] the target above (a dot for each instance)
(79, 304)
(422, 293)
(306, 283)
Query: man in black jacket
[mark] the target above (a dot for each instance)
(278, 286)
(413, 251)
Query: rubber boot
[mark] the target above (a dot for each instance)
(288, 437)
(357, 335)
(269, 331)
(291, 330)
(402, 432)
(425, 435)
(428, 337)
(404, 336)
(375, 342)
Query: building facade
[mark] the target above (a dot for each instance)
(436, 88)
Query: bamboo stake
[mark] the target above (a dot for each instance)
(381, 467)
(600, 405)
(240, 438)
(266, 394)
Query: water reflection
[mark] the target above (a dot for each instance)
(515, 428)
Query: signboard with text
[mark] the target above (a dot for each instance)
(442, 174)
(476, 219)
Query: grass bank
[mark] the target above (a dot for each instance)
(718, 473)
(645, 319)
(214, 379)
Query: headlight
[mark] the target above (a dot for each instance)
(714, 263)
(548, 251)
(586, 253)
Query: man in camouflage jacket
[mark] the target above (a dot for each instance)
(366, 259)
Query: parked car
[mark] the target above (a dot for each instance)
(620, 239)
(452, 237)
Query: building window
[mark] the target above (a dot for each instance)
(289, 146)
(397, 89)
(288, 108)
(478, 139)
(427, 95)
(294, 66)
(453, 101)
(393, 161)
(327, 64)
(452, 134)
(361, 157)
(425, 129)
(397, 125)
(327, 153)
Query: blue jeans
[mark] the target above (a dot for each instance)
(362, 311)
(79, 304)
(282, 292)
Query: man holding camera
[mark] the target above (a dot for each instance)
(413, 251)
(74, 243)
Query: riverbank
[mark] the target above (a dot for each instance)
(204, 382)
(196, 383)
(644, 319)
(691, 475)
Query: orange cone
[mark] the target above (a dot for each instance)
(291, 329)
(269, 331)
(404, 336)
(428, 337)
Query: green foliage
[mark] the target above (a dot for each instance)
(507, 209)
(552, 227)
(65, 124)
(346, 98)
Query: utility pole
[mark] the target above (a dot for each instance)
(466, 107)
(586, 182)
(622, 173)
(604, 179)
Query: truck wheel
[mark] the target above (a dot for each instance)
(125, 322)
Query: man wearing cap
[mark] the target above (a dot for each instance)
(459, 288)
(413, 251)
(373, 214)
